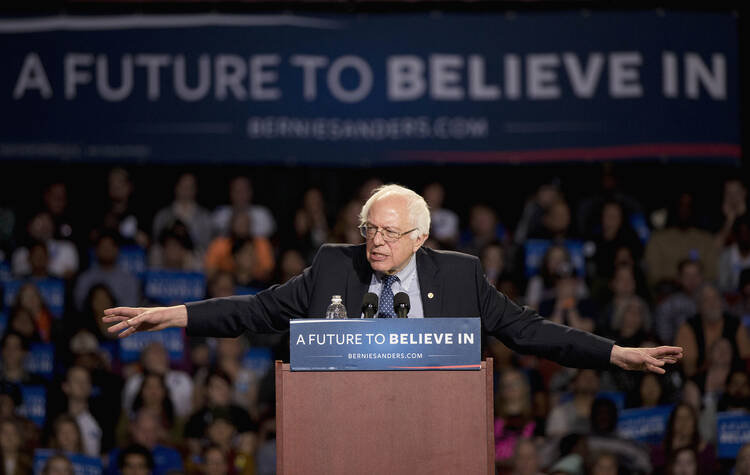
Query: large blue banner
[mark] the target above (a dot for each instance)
(371, 89)
(369, 344)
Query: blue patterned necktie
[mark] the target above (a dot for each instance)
(386, 298)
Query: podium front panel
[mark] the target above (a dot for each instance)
(385, 422)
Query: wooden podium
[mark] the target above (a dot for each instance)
(384, 422)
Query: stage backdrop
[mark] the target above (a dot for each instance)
(371, 89)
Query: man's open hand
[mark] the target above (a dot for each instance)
(129, 320)
(645, 359)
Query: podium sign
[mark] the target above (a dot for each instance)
(385, 344)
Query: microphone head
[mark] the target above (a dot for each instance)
(370, 305)
(401, 304)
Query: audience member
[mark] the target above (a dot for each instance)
(66, 435)
(311, 223)
(566, 307)
(147, 432)
(443, 222)
(513, 416)
(220, 254)
(14, 460)
(736, 257)
(55, 198)
(58, 464)
(119, 215)
(155, 359)
(672, 312)
(124, 285)
(492, 257)
(574, 416)
(680, 240)
(175, 251)
(186, 209)
(484, 228)
(733, 206)
(534, 210)
(63, 255)
(241, 201)
(555, 263)
(743, 460)
(682, 433)
(700, 332)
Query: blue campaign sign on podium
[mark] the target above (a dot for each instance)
(374, 344)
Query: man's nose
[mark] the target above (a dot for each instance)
(377, 239)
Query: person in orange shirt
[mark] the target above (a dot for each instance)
(220, 255)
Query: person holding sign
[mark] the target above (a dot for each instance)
(395, 222)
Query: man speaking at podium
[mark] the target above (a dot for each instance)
(395, 222)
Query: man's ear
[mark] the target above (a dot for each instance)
(419, 241)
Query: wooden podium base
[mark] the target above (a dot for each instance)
(384, 422)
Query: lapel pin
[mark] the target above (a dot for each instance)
(430, 295)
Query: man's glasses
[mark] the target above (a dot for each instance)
(369, 231)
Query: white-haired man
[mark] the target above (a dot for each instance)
(395, 222)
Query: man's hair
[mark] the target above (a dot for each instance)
(135, 449)
(419, 212)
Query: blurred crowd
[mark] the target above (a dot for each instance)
(71, 393)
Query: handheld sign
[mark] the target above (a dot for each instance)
(385, 344)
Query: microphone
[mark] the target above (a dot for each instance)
(370, 305)
(401, 304)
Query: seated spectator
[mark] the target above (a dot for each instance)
(614, 233)
(30, 299)
(534, 209)
(291, 264)
(241, 201)
(118, 215)
(526, 458)
(574, 416)
(135, 460)
(711, 323)
(66, 435)
(631, 322)
(14, 350)
(220, 255)
(311, 223)
(736, 396)
(735, 257)
(222, 432)
(623, 289)
(718, 365)
(21, 322)
(63, 255)
(556, 262)
(555, 222)
(632, 457)
(680, 240)
(154, 396)
(492, 257)
(14, 459)
(513, 416)
(443, 222)
(124, 285)
(484, 228)
(146, 431)
(245, 383)
(672, 312)
(175, 251)
(58, 464)
(604, 463)
(185, 209)
(566, 307)
(155, 359)
(733, 206)
(246, 267)
(684, 461)
(55, 197)
(346, 228)
(743, 461)
(651, 392)
(682, 433)
(218, 389)
(213, 461)
(741, 306)
(75, 401)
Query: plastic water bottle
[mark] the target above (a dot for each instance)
(336, 310)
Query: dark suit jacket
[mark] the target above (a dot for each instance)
(455, 281)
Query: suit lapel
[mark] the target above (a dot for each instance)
(357, 283)
(430, 286)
